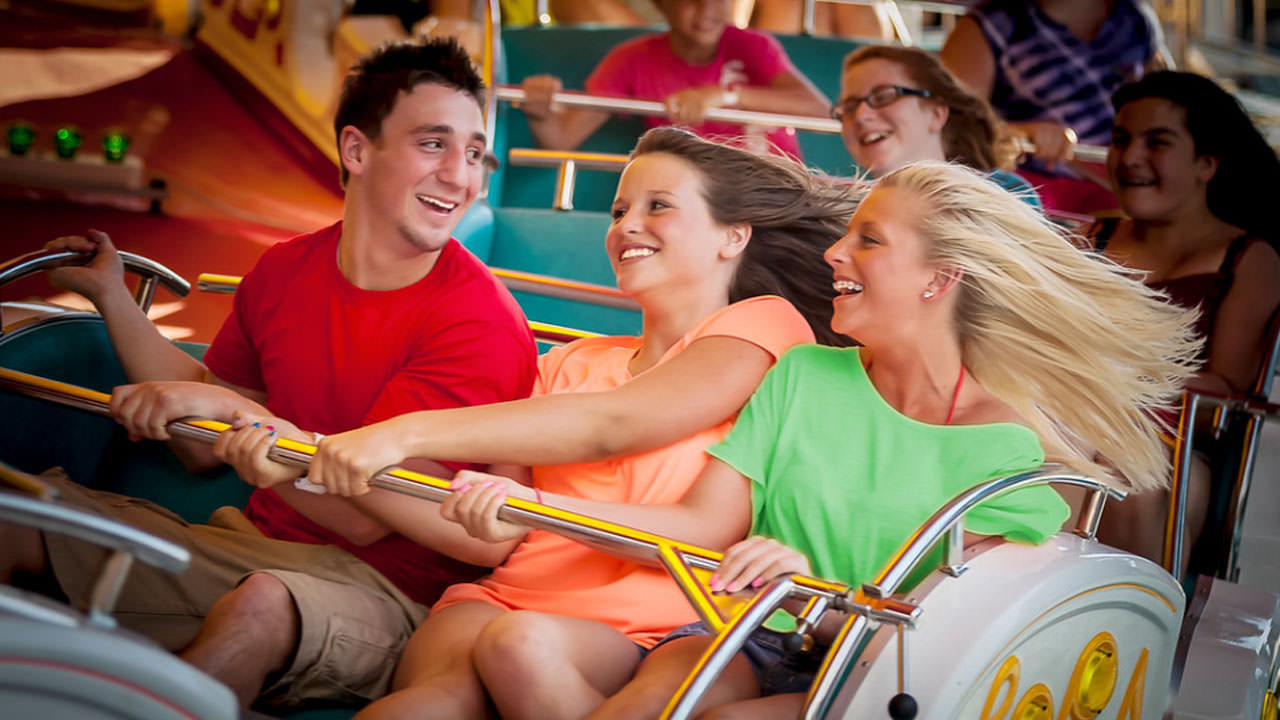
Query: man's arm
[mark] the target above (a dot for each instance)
(144, 353)
(173, 384)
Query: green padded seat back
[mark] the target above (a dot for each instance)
(566, 245)
(37, 434)
(475, 230)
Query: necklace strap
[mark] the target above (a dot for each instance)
(955, 397)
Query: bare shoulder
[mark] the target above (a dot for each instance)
(987, 409)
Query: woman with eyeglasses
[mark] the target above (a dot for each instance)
(899, 105)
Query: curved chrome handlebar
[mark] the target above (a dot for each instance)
(149, 271)
(951, 516)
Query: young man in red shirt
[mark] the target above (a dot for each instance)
(307, 596)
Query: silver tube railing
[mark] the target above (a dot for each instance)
(1174, 531)
(941, 525)
(653, 108)
(150, 273)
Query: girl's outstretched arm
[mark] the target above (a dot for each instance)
(704, 385)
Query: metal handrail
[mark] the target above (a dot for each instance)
(947, 522)
(149, 272)
(870, 604)
(681, 559)
(652, 108)
(951, 516)
(1259, 409)
(513, 279)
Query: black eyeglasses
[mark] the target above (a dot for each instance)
(880, 96)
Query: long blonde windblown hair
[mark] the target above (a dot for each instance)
(1071, 340)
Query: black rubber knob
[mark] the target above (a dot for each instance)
(903, 707)
(794, 642)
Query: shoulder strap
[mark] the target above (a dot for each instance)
(1102, 231)
(1234, 251)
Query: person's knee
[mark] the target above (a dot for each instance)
(260, 608)
(516, 642)
(21, 549)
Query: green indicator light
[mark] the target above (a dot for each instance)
(20, 138)
(66, 141)
(114, 146)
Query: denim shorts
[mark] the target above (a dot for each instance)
(777, 670)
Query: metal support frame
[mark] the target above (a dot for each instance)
(873, 605)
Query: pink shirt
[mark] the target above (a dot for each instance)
(647, 69)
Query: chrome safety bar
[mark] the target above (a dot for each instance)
(515, 95)
(865, 606)
(1171, 557)
(513, 279)
(688, 564)
(149, 272)
(905, 561)
(631, 106)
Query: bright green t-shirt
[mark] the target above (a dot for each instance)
(840, 475)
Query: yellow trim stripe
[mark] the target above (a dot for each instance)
(577, 156)
(694, 590)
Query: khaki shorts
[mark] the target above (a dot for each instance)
(354, 622)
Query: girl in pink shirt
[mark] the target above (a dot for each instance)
(701, 63)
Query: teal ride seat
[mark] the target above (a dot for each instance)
(567, 245)
(96, 452)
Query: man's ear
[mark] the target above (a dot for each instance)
(353, 149)
(736, 239)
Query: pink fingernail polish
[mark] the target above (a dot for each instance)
(757, 582)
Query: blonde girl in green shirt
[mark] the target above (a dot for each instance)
(988, 343)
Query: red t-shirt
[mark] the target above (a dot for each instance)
(331, 357)
(647, 69)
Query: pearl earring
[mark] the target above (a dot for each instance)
(928, 294)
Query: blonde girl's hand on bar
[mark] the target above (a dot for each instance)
(755, 561)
